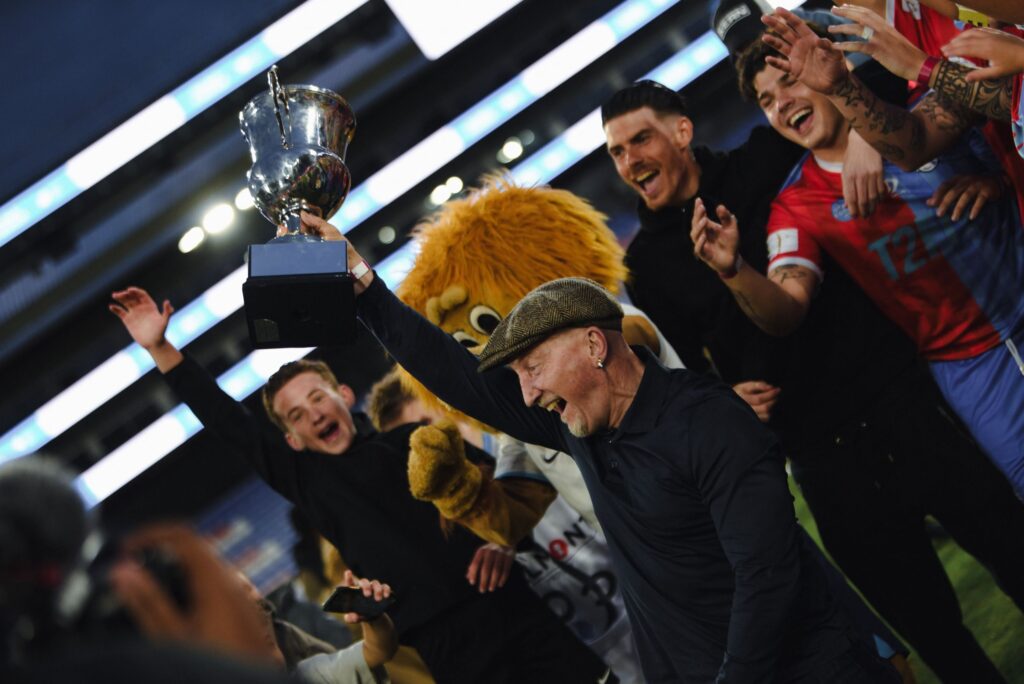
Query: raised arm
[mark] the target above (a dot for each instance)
(987, 91)
(908, 139)
(776, 304)
(215, 409)
(440, 363)
(147, 325)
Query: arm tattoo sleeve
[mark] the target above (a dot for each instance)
(990, 98)
(889, 129)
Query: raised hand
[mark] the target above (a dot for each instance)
(883, 43)
(716, 244)
(1004, 52)
(147, 325)
(144, 321)
(807, 57)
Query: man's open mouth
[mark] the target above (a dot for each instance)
(799, 118)
(556, 405)
(644, 178)
(329, 432)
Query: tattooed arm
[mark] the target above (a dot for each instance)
(908, 139)
(991, 98)
(776, 304)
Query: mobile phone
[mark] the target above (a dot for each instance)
(347, 600)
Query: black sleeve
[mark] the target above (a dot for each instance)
(448, 370)
(763, 163)
(232, 422)
(739, 472)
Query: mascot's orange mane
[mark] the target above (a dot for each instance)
(484, 252)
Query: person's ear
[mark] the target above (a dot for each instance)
(347, 396)
(597, 346)
(683, 132)
(294, 441)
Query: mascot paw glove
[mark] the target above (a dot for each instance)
(439, 470)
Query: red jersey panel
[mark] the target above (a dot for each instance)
(953, 287)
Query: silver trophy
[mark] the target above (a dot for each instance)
(299, 290)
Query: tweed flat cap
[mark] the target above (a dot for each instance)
(554, 306)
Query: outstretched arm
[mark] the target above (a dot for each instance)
(215, 409)
(776, 304)
(444, 366)
(908, 139)
(985, 91)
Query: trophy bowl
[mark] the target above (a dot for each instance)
(299, 289)
(298, 136)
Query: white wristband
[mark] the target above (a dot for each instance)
(361, 269)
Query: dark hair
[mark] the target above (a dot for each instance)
(281, 378)
(646, 93)
(752, 60)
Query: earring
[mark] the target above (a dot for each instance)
(600, 364)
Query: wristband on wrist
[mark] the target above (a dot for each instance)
(361, 269)
(731, 273)
(925, 75)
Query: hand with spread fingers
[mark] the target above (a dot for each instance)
(147, 324)
(1003, 51)
(963, 192)
(806, 56)
(716, 244)
(883, 43)
(490, 567)
(439, 470)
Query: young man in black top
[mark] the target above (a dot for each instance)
(832, 392)
(351, 482)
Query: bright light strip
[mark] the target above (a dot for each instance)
(439, 25)
(586, 135)
(170, 112)
(381, 188)
(448, 142)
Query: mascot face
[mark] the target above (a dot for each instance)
(478, 256)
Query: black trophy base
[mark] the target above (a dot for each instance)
(300, 311)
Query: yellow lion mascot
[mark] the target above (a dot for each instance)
(477, 257)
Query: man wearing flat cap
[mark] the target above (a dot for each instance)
(689, 487)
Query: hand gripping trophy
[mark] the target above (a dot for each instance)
(299, 290)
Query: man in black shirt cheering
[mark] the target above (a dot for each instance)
(350, 481)
(688, 486)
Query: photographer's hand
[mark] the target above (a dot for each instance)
(220, 615)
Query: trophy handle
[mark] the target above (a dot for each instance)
(280, 99)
